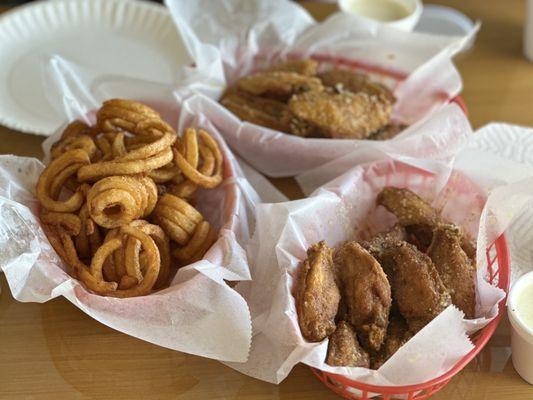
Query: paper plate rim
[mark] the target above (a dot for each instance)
(31, 8)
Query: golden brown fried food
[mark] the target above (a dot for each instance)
(398, 334)
(355, 82)
(454, 267)
(416, 285)
(413, 212)
(337, 115)
(410, 208)
(379, 243)
(344, 349)
(257, 110)
(418, 217)
(318, 296)
(304, 66)
(366, 291)
(387, 132)
(470, 248)
(279, 85)
(97, 230)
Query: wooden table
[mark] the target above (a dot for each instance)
(55, 351)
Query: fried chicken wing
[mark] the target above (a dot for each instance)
(366, 292)
(387, 132)
(398, 334)
(454, 267)
(344, 349)
(355, 82)
(317, 298)
(413, 212)
(257, 110)
(416, 285)
(337, 115)
(469, 247)
(305, 66)
(379, 243)
(418, 217)
(280, 85)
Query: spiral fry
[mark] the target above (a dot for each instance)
(67, 222)
(187, 188)
(177, 218)
(152, 267)
(83, 142)
(117, 200)
(202, 239)
(107, 168)
(123, 115)
(53, 178)
(77, 128)
(89, 239)
(136, 264)
(192, 173)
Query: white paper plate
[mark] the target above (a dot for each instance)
(110, 37)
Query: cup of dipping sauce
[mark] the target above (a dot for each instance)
(400, 14)
(520, 311)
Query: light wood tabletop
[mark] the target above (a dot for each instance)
(55, 351)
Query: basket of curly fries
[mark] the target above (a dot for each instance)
(388, 279)
(298, 93)
(127, 223)
(136, 224)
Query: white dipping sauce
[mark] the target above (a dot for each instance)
(381, 10)
(524, 306)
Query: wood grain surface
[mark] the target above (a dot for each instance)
(54, 351)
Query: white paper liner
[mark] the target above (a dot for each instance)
(486, 208)
(199, 313)
(232, 38)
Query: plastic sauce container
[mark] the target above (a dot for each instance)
(520, 311)
(400, 14)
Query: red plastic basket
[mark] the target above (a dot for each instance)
(499, 272)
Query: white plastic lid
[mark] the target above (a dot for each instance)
(441, 20)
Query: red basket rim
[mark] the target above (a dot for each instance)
(484, 335)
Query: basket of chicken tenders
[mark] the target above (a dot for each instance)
(297, 94)
(387, 280)
(138, 219)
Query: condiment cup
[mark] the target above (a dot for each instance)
(407, 23)
(521, 332)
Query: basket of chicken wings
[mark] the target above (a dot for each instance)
(386, 281)
(371, 296)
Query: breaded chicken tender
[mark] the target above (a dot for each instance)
(317, 298)
(454, 267)
(257, 110)
(355, 82)
(304, 66)
(344, 349)
(366, 292)
(337, 115)
(416, 285)
(279, 85)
